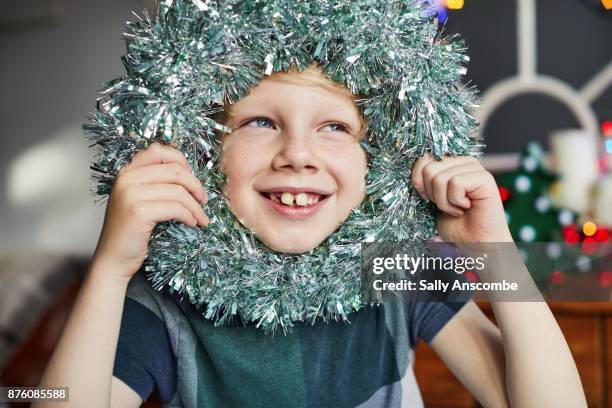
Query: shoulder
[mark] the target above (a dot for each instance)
(168, 308)
(145, 357)
(425, 319)
(141, 291)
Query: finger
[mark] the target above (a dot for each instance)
(172, 173)
(157, 153)
(431, 169)
(417, 174)
(440, 186)
(474, 185)
(155, 212)
(439, 196)
(167, 192)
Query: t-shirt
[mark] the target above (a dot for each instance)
(166, 344)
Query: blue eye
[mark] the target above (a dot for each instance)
(259, 121)
(269, 124)
(340, 127)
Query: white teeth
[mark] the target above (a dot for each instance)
(287, 198)
(290, 199)
(301, 199)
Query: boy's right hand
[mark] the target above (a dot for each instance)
(157, 185)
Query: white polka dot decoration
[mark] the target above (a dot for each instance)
(522, 184)
(566, 217)
(530, 164)
(542, 204)
(527, 233)
(583, 263)
(553, 250)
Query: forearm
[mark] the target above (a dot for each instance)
(84, 357)
(540, 370)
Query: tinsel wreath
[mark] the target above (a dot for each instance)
(192, 56)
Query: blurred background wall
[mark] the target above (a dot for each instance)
(572, 43)
(54, 56)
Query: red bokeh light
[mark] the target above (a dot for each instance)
(602, 235)
(471, 276)
(504, 193)
(589, 245)
(605, 279)
(571, 235)
(557, 278)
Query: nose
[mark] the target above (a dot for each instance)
(296, 153)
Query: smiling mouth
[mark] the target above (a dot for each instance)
(303, 199)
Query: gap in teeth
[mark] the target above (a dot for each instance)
(300, 199)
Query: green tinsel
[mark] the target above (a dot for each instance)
(183, 62)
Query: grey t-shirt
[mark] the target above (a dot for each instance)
(166, 344)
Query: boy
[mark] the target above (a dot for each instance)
(295, 170)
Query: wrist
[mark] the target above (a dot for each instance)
(501, 235)
(102, 268)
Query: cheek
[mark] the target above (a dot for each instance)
(239, 163)
(349, 165)
(231, 158)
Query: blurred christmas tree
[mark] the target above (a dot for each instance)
(532, 217)
(525, 192)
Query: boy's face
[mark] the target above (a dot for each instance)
(293, 173)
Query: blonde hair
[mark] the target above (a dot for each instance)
(312, 75)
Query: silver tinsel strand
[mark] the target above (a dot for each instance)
(192, 55)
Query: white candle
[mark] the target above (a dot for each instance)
(603, 200)
(574, 154)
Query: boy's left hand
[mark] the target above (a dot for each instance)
(466, 194)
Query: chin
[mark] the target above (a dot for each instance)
(291, 247)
